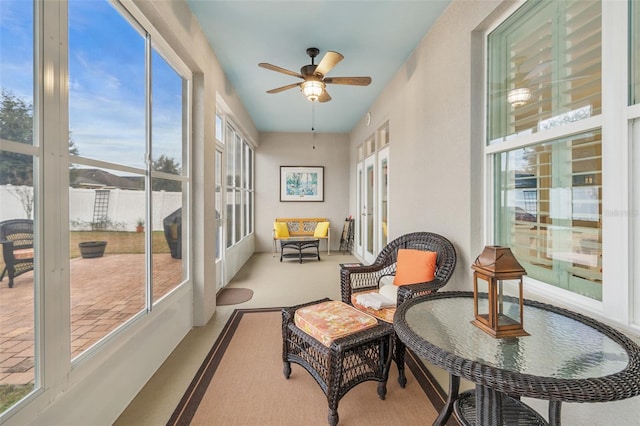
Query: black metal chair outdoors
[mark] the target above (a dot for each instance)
(355, 279)
(16, 237)
(172, 225)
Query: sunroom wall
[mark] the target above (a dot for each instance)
(435, 136)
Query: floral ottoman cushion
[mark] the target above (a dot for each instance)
(331, 320)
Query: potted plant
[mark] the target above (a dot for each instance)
(91, 249)
(140, 225)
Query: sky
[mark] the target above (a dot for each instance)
(106, 81)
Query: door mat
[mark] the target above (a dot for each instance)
(233, 296)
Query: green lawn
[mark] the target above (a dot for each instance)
(118, 242)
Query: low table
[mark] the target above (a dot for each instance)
(362, 356)
(296, 248)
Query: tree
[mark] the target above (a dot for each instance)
(16, 125)
(167, 165)
(24, 194)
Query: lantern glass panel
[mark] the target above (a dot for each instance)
(482, 299)
(508, 304)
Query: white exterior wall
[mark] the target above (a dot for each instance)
(81, 203)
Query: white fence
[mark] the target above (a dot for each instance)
(125, 207)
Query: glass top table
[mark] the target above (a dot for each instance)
(567, 357)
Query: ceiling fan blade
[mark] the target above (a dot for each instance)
(354, 81)
(279, 69)
(329, 61)
(283, 88)
(324, 97)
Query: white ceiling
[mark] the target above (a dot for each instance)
(375, 37)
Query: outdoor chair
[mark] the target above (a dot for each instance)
(16, 237)
(172, 225)
(356, 280)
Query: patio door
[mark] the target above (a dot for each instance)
(383, 195)
(368, 209)
(359, 231)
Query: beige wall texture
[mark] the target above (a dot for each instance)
(435, 173)
(296, 149)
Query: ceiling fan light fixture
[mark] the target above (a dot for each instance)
(518, 97)
(312, 89)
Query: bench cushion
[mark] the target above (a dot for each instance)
(281, 229)
(22, 254)
(321, 229)
(331, 320)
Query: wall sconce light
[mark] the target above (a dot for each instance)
(312, 89)
(518, 97)
(497, 293)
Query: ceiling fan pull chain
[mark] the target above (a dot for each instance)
(313, 124)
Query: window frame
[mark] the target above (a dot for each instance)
(615, 121)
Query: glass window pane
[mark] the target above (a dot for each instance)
(238, 162)
(230, 215)
(18, 329)
(237, 220)
(634, 43)
(167, 236)
(549, 211)
(108, 285)
(384, 195)
(250, 168)
(229, 160)
(167, 117)
(106, 84)
(218, 203)
(16, 70)
(544, 67)
(219, 129)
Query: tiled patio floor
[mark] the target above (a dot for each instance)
(105, 292)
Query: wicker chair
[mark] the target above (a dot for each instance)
(172, 225)
(366, 278)
(16, 237)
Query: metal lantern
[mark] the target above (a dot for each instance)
(497, 293)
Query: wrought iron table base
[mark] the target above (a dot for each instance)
(298, 248)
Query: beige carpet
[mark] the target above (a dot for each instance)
(241, 383)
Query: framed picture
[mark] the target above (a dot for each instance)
(301, 183)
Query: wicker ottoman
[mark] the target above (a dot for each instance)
(341, 364)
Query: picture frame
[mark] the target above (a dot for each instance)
(301, 183)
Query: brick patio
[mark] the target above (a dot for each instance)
(101, 300)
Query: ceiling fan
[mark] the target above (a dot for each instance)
(314, 84)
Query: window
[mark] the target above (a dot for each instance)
(552, 221)
(115, 195)
(634, 119)
(544, 80)
(239, 200)
(634, 39)
(544, 68)
(19, 192)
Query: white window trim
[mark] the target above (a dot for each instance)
(619, 299)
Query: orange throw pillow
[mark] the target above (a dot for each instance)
(415, 266)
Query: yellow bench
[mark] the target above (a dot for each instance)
(311, 227)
